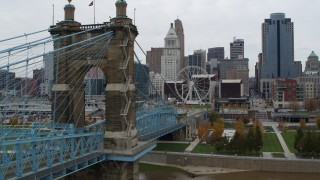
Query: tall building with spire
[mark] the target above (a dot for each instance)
(179, 30)
(278, 47)
(170, 60)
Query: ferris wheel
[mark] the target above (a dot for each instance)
(192, 85)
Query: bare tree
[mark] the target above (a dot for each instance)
(294, 105)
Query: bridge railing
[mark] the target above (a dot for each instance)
(30, 154)
(153, 121)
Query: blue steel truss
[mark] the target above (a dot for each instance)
(156, 122)
(41, 147)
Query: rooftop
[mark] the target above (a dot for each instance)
(231, 81)
(313, 54)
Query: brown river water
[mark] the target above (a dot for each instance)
(230, 176)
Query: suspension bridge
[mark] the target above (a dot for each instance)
(44, 130)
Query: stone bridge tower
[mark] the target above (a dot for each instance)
(117, 66)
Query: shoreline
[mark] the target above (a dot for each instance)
(195, 171)
(213, 164)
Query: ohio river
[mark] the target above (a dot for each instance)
(230, 176)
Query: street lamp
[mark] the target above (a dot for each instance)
(260, 150)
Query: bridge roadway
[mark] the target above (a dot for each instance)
(46, 158)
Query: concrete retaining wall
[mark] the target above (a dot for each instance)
(233, 162)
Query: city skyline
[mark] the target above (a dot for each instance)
(206, 23)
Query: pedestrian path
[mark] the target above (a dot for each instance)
(192, 145)
(267, 155)
(287, 153)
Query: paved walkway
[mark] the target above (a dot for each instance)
(192, 145)
(267, 155)
(287, 153)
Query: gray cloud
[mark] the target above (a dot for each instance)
(207, 23)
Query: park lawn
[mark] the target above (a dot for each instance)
(171, 147)
(289, 139)
(271, 143)
(151, 168)
(204, 149)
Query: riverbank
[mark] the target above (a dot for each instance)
(193, 171)
(191, 162)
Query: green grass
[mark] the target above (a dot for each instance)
(204, 149)
(156, 168)
(305, 112)
(289, 139)
(271, 143)
(172, 147)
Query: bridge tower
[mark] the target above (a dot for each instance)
(117, 66)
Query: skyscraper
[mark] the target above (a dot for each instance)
(215, 53)
(170, 60)
(235, 69)
(237, 49)
(154, 59)
(179, 30)
(197, 59)
(278, 47)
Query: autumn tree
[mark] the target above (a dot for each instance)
(282, 125)
(302, 123)
(239, 127)
(218, 128)
(14, 120)
(203, 129)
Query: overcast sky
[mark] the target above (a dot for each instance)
(207, 23)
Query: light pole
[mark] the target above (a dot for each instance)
(260, 150)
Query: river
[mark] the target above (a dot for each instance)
(230, 176)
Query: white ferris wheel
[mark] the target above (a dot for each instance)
(192, 85)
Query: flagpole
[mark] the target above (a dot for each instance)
(94, 12)
(52, 14)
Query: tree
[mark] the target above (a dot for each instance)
(203, 129)
(201, 132)
(239, 127)
(294, 105)
(318, 144)
(302, 123)
(308, 142)
(298, 141)
(258, 139)
(213, 117)
(218, 145)
(310, 105)
(218, 128)
(14, 120)
(282, 125)
(245, 120)
(250, 139)
(318, 121)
